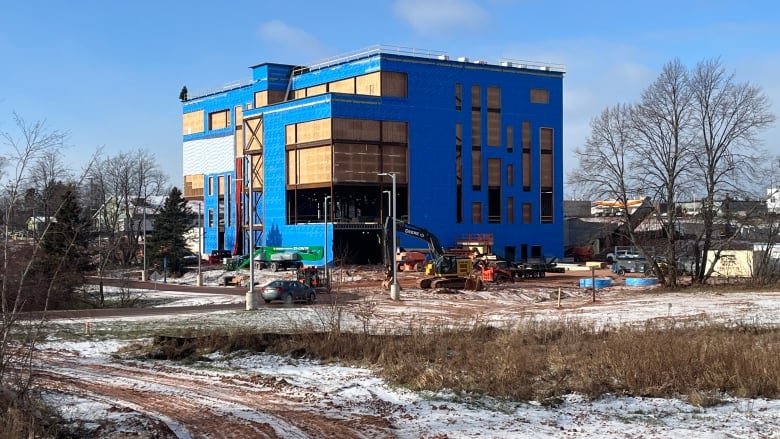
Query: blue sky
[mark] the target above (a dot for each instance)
(109, 72)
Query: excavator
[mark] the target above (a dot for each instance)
(447, 271)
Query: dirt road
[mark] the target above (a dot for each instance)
(169, 401)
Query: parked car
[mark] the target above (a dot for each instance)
(216, 256)
(289, 291)
(189, 259)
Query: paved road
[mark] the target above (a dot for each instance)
(150, 286)
(160, 286)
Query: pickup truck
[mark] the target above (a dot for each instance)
(280, 261)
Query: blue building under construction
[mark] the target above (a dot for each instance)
(292, 157)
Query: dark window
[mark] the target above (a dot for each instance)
(546, 207)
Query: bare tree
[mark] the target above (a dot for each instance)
(728, 116)
(662, 123)
(121, 185)
(33, 141)
(607, 160)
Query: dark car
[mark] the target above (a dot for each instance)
(289, 291)
(189, 259)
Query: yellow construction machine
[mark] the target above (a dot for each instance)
(442, 271)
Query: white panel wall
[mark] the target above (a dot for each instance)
(207, 156)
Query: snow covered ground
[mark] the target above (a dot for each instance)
(262, 395)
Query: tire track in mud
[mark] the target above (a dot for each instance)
(196, 403)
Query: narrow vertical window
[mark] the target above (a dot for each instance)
(510, 210)
(476, 212)
(527, 213)
(546, 207)
(228, 199)
(458, 96)
(493, 116)
(510, 139)
(527, 156)
(458, 173)
(546, 204)
(494, 190)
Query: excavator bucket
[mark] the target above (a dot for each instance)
(473, 284)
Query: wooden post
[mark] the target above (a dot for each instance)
(559, 297)
(593, 281)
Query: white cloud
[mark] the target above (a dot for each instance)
(296, 42)
(441, 17)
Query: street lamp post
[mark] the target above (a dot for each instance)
(199, 279)
(394, 287)
(389, 203)
(143, 221)
(325, 245)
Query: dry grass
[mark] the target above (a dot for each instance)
(543, 361)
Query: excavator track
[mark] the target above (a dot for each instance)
(451, 283)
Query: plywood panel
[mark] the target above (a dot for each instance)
(193, 122)
(476, 168)
(289, 134)
(540, 96)
(510, 210)
(494, 98)
(494, 172)
(193, 186)
(254, 135)
(394, 84)
(219, 119)
(527, 170)
(292, 167)
(476, 213)
(221, 185)
(356, 129)
(297, 94)
(476, 97)
(239, 141)
(527, 213)
(546, 139)
(261, 98)
(314, 130)
(343, 86)
(239, 115)
(317, 90)
(494, 129)
(315, 165)
(256, 167)
(476, 129)
(510, 138)
(356, 163)
(394, 160)
(395, 132)
(546, 171)
(369, 84)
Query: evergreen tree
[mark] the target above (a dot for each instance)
(64, 255)
(167, 240)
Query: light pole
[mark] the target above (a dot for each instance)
(325, 245)
(389, 203)
(199, 279)
(143, 221)
(394, 287)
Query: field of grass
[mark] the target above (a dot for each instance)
(538, 361)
